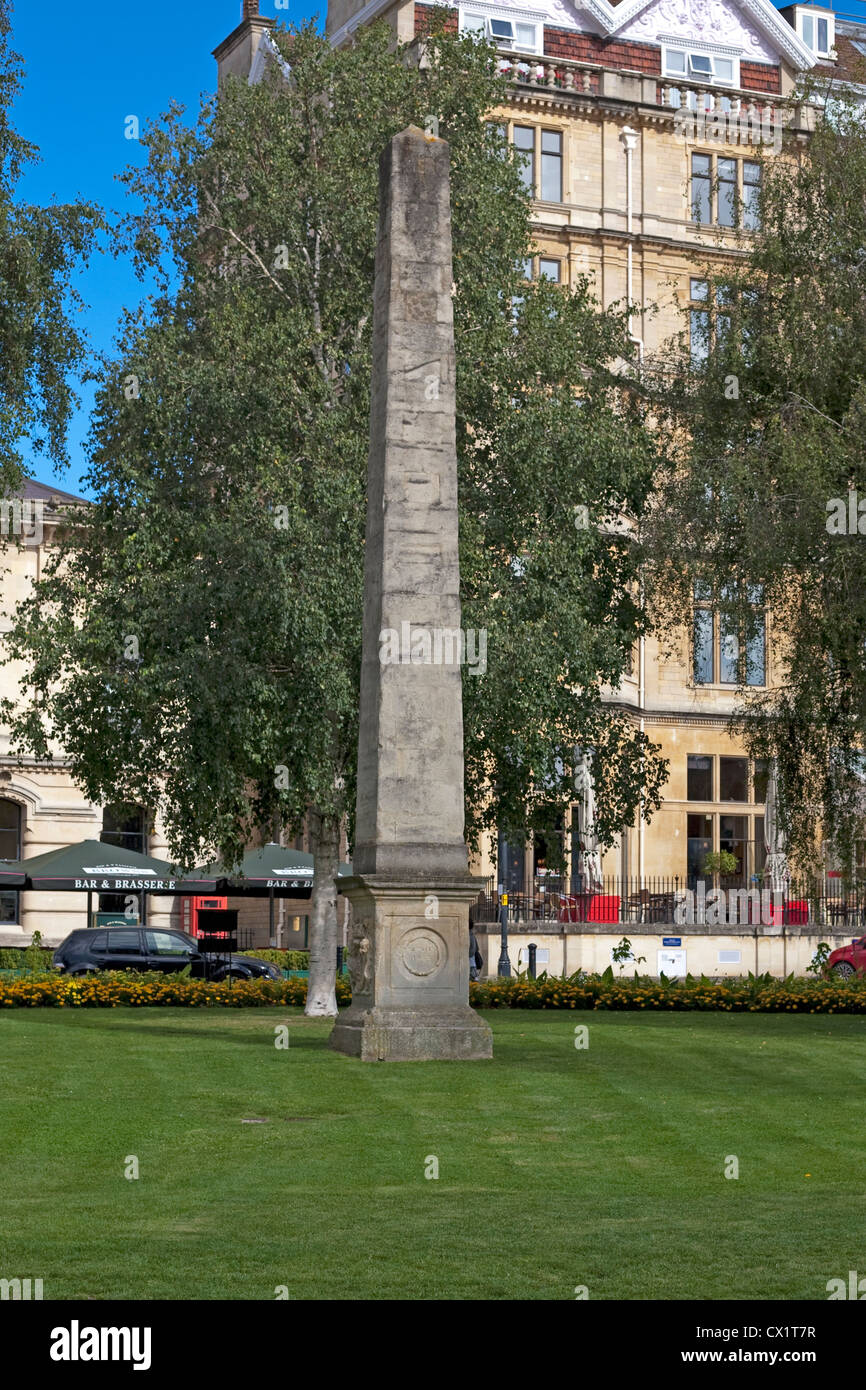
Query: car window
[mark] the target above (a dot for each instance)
(184, 943)
(124, 942)
(165, 943)
(96, 940)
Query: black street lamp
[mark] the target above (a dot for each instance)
(504, 963)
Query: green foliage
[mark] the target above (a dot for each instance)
(720, 862)
(623, 953)
(286, 960)
(818, 964)
(34, 957)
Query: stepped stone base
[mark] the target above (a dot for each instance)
(413, 1035)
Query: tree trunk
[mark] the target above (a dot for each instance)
(325, 846)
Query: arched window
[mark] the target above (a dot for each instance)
(10, 848)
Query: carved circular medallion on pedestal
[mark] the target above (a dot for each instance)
(422, 953)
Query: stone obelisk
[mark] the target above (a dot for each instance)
(410, 896)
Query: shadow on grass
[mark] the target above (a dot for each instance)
(302, 1031)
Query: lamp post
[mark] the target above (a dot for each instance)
(504, 968)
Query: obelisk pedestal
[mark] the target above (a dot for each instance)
(410, 896)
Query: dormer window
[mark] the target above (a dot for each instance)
(692, 65)
(816, 29)
(515, 31)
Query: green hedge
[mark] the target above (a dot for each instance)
(287, 960)
(25, 958)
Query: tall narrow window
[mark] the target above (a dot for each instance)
(10, 830)
(756, 640)
(699, 843)
(551, 166)
(501, 131)
(760, 779)
(699, 776)
(549, 269)
(524, 143)
(726, 170)
(759, 849)
(10, 848)
(699, 321)
(751, 195)
(729, 652)
(702, 657)
(124, 826)
(733, 779)
(729, 638)
(723, 320)
(733, 832)
(702, 192)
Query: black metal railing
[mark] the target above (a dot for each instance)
(829, 902)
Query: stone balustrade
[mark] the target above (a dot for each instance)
(697, 97)
(565, 74)
(592, 79)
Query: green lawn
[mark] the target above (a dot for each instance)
(557, 1167)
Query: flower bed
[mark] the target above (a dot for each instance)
(108, 990)
(761, 994)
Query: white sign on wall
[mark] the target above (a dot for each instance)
(672, 963)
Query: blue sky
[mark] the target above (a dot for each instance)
(89, 66)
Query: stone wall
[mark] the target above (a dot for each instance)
(575, 948)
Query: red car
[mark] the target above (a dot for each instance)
(848, 960)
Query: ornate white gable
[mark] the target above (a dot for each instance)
(701, 21)
(754, 27)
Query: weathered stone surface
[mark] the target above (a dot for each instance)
(410, 972)
(410, 772)
(409, 953)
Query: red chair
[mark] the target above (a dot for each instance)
(797, 913)
(603, 907)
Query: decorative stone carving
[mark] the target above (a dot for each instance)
(708, 21)
(422, 953)
(359, 962)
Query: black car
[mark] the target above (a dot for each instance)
(142, 948)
